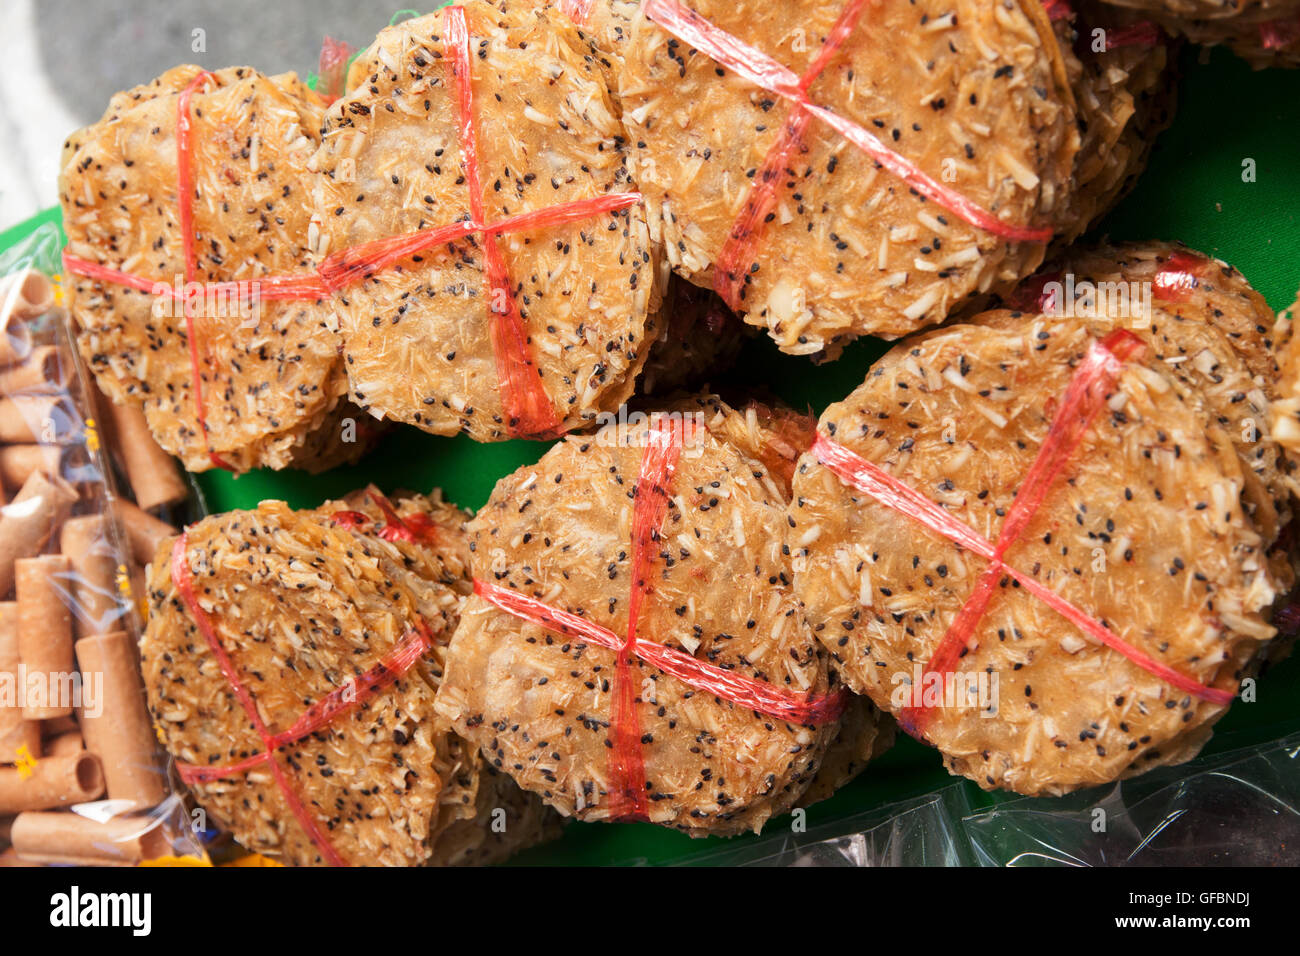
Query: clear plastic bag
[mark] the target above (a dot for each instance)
(82, 778)
(1240, 808)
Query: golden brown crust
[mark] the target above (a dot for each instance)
(416, 337)
(271, 376)
(984, 107)
(303, 602)
(539, 705)
(1146, 532)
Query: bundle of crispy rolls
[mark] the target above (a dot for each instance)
(73, 724)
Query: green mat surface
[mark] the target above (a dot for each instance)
(1195, 190)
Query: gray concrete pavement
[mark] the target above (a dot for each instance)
(60, 60)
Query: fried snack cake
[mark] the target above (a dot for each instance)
(1286, 410)
(1264, 33)
(1121, 72)
(854, 212)
(476, 118)
(323, 632)
(229, 376)
(1107, 592)
(1203, 319)
(718, 717)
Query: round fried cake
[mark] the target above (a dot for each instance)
(973, 94)
(1125, 95)
(1143, 530)
(1286, 410)
(1192, 297)
(539, 704)
(417, 334)
(270, 373)
(1263, 32)
(303, 603)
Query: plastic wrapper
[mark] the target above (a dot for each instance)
(1238, 808)
(82, 778)
(864, 196)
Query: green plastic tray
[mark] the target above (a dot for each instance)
(1194, 191)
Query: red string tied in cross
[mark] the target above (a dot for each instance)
(626, 760)
(736, 260)
(415, 529)
(1090, 386)
(529, 409)
(404, 655)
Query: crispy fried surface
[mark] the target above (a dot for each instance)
(983, 105)
(269, 378)
(302, 604)
(539, 705)
(1125, 97)
(1241, 25)
(416, 336)
(1145, 531)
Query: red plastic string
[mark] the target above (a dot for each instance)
(528, 406)
(1279, 34)
(734, 688)
(333, 68)
(183, 579)
(185, 202)
(1089, 387)
(626, 761)
(762, 70)
(1142, 33)
(1178, 277)
(576, 10)
(398, 661)
(1058, 9)
(416, 528)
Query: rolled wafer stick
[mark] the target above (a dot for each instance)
(45, 370)
(69, 838)
(23, 297)
(121, 732)
(6, 827)
(16, 731)
(40, 419)
(58, 727)
(140, 591)
(20, 462)
(66, 745)
(51, 782)
(144, 532)
(151, 471)
(27, 522)
(97, 605)
(26, 295)
(45, 634)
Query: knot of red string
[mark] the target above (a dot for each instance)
(651, 496)
(393, 665)
(1090, 386)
